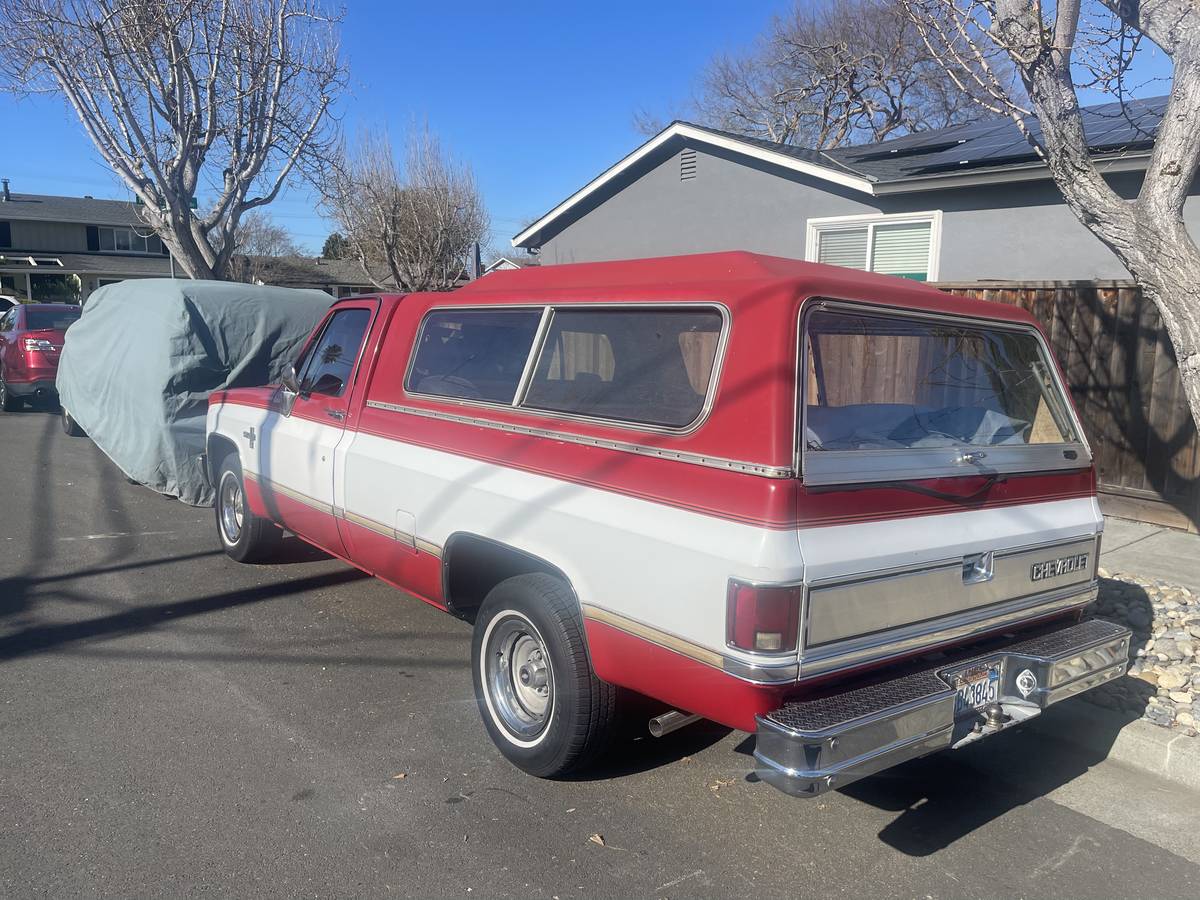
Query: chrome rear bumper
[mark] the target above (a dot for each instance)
(811, 746)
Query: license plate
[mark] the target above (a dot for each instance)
(976, 688)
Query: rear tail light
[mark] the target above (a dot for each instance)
(38, 344)
(763, 618)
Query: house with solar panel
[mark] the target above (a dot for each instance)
(968, 203)
(971, 207)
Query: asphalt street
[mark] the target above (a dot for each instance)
(173, 723)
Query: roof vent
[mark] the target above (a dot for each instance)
(7, 195)
(687, 165)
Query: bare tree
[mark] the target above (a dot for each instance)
(827, 74)
(228, 98)
(260, 241)
(1053, 46)
(411, 227)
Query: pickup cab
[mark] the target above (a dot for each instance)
(849, 513)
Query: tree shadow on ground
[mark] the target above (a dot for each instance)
(45, 638)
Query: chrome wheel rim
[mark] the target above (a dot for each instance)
(233, 508)
(518, 677)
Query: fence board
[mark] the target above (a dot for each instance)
(1123, 377)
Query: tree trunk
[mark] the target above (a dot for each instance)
(1167, 265)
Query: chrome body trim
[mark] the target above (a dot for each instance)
(539, 341)
(811, 746)
(409, 541)
(960, 628)
(865, 604)
(697, 459)
(535, 353)
(834, 467)
(285, 491)
(781, 670)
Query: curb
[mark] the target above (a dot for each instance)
(1106, 735)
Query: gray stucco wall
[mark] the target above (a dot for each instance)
(1017, 231)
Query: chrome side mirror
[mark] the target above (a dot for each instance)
(290, 381)
(289, 390)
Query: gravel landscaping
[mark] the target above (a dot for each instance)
(1163, 685)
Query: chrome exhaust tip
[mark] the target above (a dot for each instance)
(671, 721)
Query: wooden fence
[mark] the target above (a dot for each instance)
(1122, 373)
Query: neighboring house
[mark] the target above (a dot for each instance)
(966, 203)
(505, 264)
(337, 277)
(63, 248)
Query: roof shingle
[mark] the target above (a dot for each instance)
(86, 210)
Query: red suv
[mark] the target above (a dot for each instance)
(31, 339)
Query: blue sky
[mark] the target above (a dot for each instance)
(538, 97)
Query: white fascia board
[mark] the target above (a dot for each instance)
(701, 136)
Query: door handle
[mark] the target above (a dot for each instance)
(339, 414)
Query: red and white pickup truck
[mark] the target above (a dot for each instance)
(850, 513)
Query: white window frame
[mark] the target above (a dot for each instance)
(133, 233)
(833, 223)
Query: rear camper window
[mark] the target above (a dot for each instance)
(964, 394)
(473, 354)
(645, 366)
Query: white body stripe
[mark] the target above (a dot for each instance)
(847, 550)
(657, 564)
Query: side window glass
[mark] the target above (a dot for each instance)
(473, 354)
(330, 361)
(648, 366)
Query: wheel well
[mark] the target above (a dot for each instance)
(219, 447)
(473, 565)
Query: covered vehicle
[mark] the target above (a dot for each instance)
(137, 368)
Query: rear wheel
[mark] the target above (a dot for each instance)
(8, 402)
(245, 536)
(541, 703)
(69, 425)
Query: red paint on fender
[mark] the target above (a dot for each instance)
(631, 662)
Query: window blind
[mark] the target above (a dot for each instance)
(902, 249)
(843, 247)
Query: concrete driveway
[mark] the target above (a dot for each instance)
(173, 724)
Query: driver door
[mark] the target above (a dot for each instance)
(297, 450)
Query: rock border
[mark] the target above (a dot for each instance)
(1163, 685)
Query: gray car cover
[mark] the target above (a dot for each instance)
(137, 368)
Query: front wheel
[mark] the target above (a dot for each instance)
(245, 536)
(541, 703)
